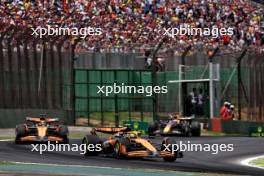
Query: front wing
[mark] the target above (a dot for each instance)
(149, 154)
(40, 139)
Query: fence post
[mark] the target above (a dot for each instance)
(183, 87)
(11, 102)
(239, 81)
(154, 76)
(211, 82)
(2, 93)
(116, 102)
(72, 82)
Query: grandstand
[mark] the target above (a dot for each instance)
(130, 26)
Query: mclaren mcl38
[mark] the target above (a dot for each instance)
(41, 129)
(124, 143)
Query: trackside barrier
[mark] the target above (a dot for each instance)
(216, 125)
(9, 118)
(256, 131)
(137, 126)
(238, 127)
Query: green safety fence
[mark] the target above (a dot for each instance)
(97, 109)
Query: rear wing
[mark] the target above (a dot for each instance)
(39, 119)
(181, 118)
(186, 118)
(111, 130)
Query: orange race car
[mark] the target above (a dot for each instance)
(125, 143)
(41, 129)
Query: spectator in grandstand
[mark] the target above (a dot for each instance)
(130, 25)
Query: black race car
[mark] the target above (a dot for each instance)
(182, 126)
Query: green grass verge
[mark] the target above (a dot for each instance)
(6, 137)
(7, 163)
(212, 133)
(76, 136)
(258, 162)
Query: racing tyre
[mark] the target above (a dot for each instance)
(94, 140)
(169, 141)
(17, 141)
(20, 131)
(65, 140)
(117, 148)
(152, 128)
(63, 130)
(187, 131)
(196, 129)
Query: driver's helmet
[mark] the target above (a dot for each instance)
(131, 135)
(118, 135)
(174, 116)
(42, 123)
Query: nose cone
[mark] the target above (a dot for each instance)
(42, 131)
(167, 129)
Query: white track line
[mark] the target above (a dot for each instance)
(63, 165)
(6, 140)
(247, 161)
(96, 167)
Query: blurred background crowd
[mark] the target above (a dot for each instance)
(135, 25)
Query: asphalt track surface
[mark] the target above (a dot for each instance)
(223, 162)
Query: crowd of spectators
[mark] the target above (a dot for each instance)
(135, 25)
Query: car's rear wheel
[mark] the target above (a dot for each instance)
(65, 140)
(91, 140)
(152, 128)
(17, 140)
(63, 130)
(196, 129)
(187, 130)
(168, 141)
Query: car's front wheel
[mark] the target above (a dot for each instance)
(117, 150)
(91, 140)
(170, 143)
(20, 132)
